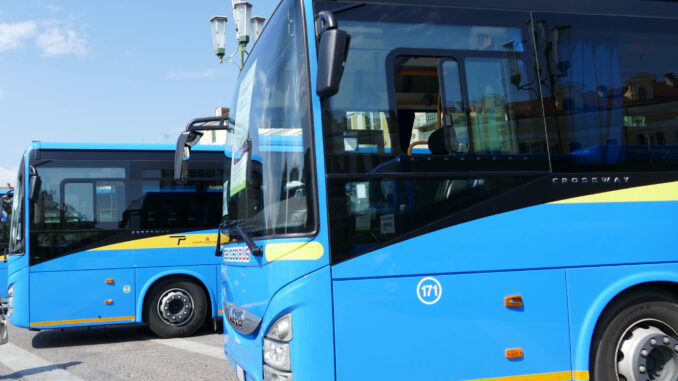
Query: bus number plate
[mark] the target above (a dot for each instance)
(240, 372)
(237, 254)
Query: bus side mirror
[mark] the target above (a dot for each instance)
(333, 47)
(182, 154)
(515, 72)
(34, 185)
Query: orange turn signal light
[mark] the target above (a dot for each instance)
(514, 353)
(110, 281)
(109, 301)
(513, 301)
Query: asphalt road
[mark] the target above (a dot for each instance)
(112, 353)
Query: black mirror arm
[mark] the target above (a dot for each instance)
(255, 249)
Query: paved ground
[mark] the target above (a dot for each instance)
(112, 353)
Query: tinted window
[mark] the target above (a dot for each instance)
(437, 113)
(84, 204)
(610, 91)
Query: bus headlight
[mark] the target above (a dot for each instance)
(277, 354)
(10, 300)
(276, 350)
(281, 330)
(271, 374)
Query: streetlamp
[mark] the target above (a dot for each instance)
(242, 11)
(257, 25)
(219, 36)
(244, 24)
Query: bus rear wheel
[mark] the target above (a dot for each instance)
(639, 343)
(175, 308)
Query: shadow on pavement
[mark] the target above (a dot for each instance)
(79, 336)
(33, 371)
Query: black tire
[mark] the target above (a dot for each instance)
(622, 348)
(185, 306)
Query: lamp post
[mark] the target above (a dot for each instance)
(256, 25)
(219, 36)
(242, 12)
(245, 26)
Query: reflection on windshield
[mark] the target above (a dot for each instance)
(270, 145)
(16, 239)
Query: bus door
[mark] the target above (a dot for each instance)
(442, 285)
(69, 284)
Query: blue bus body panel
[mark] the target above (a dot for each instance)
(133, 270)
(381, 325)
(3, 281)
(542, 236)
(79, 297)
(19, 279)
(308, 300)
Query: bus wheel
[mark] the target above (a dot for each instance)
(175, 308)
(639, 343)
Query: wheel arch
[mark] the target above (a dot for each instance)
(185, 274)
(609, 298)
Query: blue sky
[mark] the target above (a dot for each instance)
(116, 71)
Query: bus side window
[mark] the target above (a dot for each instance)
(78, 202)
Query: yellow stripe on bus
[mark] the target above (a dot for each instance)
(77, 321)
(581, 375)
(166, 242)
(291, 251)
(655, 192)
(557, 376)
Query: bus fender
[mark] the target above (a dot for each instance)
(583, 339)
(148, 283)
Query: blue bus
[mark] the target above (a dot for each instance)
(102, 234)
(5, 213)
(483, 190)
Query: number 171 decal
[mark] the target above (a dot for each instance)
(429, 290)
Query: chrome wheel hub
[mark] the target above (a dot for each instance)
(647, 351)
(175, 307)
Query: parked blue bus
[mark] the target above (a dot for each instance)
(5, 213)
(485, 190)
(102, 234)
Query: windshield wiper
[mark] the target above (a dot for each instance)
(233, 228)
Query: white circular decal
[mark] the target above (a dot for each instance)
(126, 289)
(429, 290)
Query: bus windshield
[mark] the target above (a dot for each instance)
(270, 181)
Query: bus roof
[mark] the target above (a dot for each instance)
(644, 8)
(118, 146)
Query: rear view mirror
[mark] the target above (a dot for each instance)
(34, 184)
(561, 48)
(515, 74)
(190, 137)
(333, 47)
(182, 154)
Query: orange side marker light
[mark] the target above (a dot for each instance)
(109, 301)
(514, 353)
(110, 281)
(513, 301)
